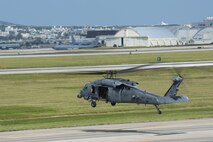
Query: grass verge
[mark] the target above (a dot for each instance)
(103, 59)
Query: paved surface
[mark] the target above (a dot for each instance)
(33, 53)
(200, 130)
(104, 67)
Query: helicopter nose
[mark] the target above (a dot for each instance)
(79, 96)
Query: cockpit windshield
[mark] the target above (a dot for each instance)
(87, 86)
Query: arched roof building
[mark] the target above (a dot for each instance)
(204, 36)
(143, 36)
(150, 32)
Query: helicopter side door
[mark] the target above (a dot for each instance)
(113, 95)
(121, 94)
(126, 94)
(103, 93)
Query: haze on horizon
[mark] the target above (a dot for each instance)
(104, 12)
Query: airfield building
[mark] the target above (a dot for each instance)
(203, 36)
(196, 33)
(187, 35)
(208, 22)
(142, 36)
(96, 33)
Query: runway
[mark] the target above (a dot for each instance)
(104, 68)
(35, 53)
(198, 130)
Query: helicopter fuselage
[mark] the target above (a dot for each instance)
(118, 90)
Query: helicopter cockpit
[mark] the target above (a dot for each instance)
(88, 92)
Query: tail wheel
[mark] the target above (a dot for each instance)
(113, 103)
(93, 103)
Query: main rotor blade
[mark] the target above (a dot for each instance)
(135, 69)
(92, 72)
(114, 72)
(99, 72)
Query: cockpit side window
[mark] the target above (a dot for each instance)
(93, 89)
(85, 87)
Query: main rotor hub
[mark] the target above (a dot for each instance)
(111, 74)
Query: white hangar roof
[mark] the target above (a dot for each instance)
(206, 33)
(151, 32)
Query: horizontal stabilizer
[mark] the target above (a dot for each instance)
(180, 99)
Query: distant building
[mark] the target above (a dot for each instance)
(206, 23)
(4, 34)
(196, 33)
(185, 34)
(142, 36)
(203, 36)
(96, 33)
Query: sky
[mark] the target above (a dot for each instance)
(104, 12)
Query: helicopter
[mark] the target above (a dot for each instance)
(119, 90)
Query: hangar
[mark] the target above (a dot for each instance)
(204, 36)
(142, 36)
(196, 33)
(187, 35)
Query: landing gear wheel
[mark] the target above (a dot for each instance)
(113, 103)
(93, 104)
(78, 96)
(158, 109)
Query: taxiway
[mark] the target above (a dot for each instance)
(35, 53)
(198, 130)
(104, 68)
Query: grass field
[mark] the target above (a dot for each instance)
(104, 60)
(49, 100)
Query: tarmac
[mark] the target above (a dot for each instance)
(48, 52)
(197, 130)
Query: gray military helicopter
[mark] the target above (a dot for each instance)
(119, 90)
